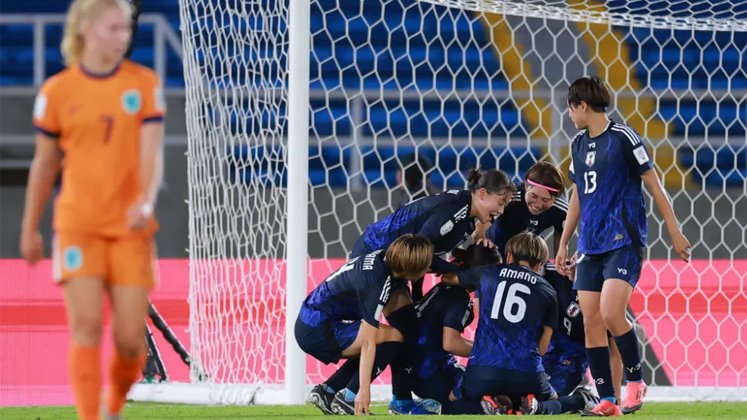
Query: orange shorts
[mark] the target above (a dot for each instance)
(118, 261)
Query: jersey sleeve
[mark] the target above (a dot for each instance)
(571, 169)
(458, 310)
(372, 297)
(551, 310)
(435, 227)
(154, 102)
(440, 266)
(46, 117)
(470, 279)
(634, 149)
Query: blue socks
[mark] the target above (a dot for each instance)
(631, 357)
(599, 364)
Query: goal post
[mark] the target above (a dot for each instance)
(298, 195)
(299, 114)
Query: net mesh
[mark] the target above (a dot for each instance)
(460, 86)
(236, 119)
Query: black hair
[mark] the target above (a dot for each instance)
(494, 181)
(591, 90)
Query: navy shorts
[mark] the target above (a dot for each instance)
(566, 372)
(439, 386)
(487, 380)
(624, 263)
(327, 340)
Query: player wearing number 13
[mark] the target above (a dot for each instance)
(608, 163)
(99, 121)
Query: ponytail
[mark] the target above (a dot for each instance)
(494, 181)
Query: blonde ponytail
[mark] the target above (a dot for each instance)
(79, 11)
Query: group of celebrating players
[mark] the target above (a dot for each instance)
(541, 324)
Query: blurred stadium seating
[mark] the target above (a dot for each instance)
(677, 66)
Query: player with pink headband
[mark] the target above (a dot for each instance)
(537, 205)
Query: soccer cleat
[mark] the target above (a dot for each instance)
(496, 405)
(400, 407)
(529, 405)
(320, 398)
(634, 393)
(590, 398)
(415, 407)
(605, 408)
(340, 406)
(426, 406)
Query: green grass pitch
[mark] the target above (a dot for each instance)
(173, 411)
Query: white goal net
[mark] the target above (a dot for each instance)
(463, 84)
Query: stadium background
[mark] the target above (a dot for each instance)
(31, 314)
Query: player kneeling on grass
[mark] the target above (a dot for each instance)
(518, 313)
(443, 314)
(340, 318)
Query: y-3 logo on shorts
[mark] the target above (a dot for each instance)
(622, 271)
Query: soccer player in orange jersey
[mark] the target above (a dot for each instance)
(100, 122)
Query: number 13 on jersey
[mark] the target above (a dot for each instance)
(590, 182)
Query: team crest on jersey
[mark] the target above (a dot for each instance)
(573, 310)
(590, 157)
(131, 101)
(72, 258)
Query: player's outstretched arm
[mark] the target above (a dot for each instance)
(571, 222)
(368, 354)
(44, 170)
(481, 231)
(679, 242)
(454, 343)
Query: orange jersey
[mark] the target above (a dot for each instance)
(97, 121)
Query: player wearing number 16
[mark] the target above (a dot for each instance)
(99, 121)
(608, 162)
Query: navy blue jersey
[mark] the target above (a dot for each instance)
(442, 218)
(357, 290)
(516, 218)
(569, 337)
(515, 306)
(607, 172)
(442, 306)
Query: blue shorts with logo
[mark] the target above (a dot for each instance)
(327, 340)
(439, 386)
(623, 263)
(566, 371)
